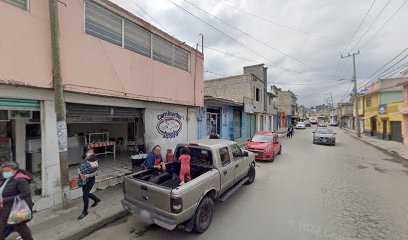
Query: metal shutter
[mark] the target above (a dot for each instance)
(23, 4)
(137, 39)
(84, 110)
(162, 50)
(102, 23)
(19, 104)
(181, 58)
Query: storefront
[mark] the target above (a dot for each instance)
(20, 136)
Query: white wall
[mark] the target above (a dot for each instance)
(153, 137)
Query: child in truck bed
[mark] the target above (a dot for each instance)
(185, 165)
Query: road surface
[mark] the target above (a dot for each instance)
(346, 192)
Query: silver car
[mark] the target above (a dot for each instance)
(324, 136)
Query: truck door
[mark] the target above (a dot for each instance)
(241, 167)
(227, 171)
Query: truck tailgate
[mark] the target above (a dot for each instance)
(146, 195)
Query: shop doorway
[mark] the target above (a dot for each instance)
(115, 133)
(373, 126)
(396, 131)
(237, 123)
(213, 121)
(251, 125)
(384, 130)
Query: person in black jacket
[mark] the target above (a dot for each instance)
(15, 183)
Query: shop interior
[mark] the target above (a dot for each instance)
(213, 121)
(20, 141)
(114, 136)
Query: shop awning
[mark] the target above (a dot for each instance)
(369, 116)
(19, 104)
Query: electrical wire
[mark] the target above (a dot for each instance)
(255, 39)
(372, 25)
(229, 37)
(295, 29)
(385, 23)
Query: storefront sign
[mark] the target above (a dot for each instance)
(382, 109)
(169, 125)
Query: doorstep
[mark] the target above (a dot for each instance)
(60, 224)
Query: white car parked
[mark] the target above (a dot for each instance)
(300, 125)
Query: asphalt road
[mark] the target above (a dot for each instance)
(346, 192)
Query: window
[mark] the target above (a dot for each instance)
(258, 95)
(236, 152)
(23, 4)
(368, 102)
(137, 39)
(102, 23)
(106, 25)
(198, 156)
(181, 59)
(224, 156)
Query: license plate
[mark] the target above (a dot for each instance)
(145, 216)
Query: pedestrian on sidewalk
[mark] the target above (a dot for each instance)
(88, 168)
(15, 184)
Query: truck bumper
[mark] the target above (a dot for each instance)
(149, 217)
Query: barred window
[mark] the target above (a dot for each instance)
(162, 50)
(102, 23)
(181, 58)
(137, 39)
(23, 4)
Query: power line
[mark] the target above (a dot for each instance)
(299, 30)
(385, 23)
(229, 54)
(359, 26)
(253, 38)
(227, 36)
(219, 74)
(372, 25)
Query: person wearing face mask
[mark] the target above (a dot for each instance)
(15, 183)
(88, 168)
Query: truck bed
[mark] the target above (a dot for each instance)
(171, 178)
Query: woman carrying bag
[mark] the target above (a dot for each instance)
(15, 198)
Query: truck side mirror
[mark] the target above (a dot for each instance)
(246, 154)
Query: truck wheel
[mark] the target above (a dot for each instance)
(204, 214)
(251, 175)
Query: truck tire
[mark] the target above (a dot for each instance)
(204, 215)
(251, 175)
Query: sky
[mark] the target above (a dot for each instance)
(300, 41)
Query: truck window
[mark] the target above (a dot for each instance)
(198, 155)
(236, 151)
(224, 156)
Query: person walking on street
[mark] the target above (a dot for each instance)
(15, 184)
(87, 171)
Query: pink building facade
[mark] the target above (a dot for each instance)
(404, 110)
(121, 76)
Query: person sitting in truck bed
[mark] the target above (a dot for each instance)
(154, 160)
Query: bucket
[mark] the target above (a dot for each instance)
(73, 183)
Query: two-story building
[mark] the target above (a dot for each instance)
(286, 103)
(249, 89)
(127, 87)
(345, 114)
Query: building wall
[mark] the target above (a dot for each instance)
(405, 116)
(90, 65)
(234, 88)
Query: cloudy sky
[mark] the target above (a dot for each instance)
(300, 41)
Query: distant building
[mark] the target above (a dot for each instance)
(249, 89)
(286, 102)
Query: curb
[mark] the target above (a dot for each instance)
(95, 226)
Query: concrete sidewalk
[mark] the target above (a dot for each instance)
(59, 224)
(394, 148)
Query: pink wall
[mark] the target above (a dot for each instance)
(25, 53)
(89, 65)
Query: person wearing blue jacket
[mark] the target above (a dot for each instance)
(154, 160)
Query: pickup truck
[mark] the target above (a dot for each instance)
(218, 169)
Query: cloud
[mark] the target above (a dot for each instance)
(316, 33)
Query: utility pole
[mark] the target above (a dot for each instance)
(59, 101)
(355, 90)
(202, 43)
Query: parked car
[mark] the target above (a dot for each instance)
(265, 146)
(324, 136)
(313, 121)
(334, 123)
(322, 124)
(307, 123)
(218, 168)
(300, 125)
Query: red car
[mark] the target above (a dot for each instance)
(265, 146)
